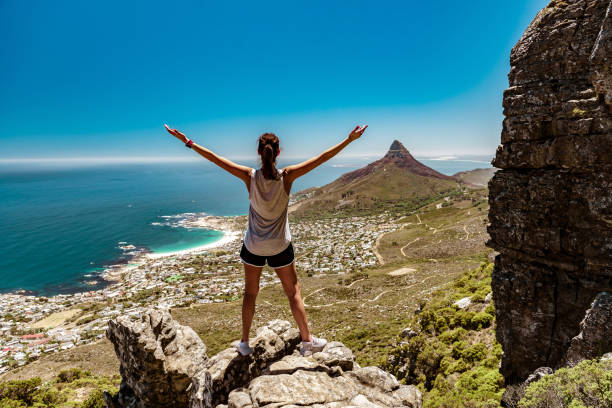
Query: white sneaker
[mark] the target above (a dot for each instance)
(314, 346)
(244, 348)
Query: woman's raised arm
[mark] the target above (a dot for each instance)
(242, 172)
(298, 170)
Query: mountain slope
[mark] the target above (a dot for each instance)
(397, 180)
(398, 156)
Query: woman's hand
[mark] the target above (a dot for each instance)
(180, 136)
(357, 132)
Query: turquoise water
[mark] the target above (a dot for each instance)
(61, 226)
(197, 238)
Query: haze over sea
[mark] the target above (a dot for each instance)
(62, 224)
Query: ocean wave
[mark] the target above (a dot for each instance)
(178, 220)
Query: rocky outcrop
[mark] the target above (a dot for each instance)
(164, 364)
(551, 202)
(319, 381)
(230, 370)
(594, 337)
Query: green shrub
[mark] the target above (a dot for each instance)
(49, 397)
(95, 400)
(63, 391)
(11, 403)
(416, 344)
(458, 348)
(497, 351)
(465, 319)
(588, 384)
(20, 390)
(477, 388)
(429, 359)
(451, 336)
(441, 324)
(72, 374)
(474, 353)
(456, 366)
(481, 320)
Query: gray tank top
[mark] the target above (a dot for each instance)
(268, 230)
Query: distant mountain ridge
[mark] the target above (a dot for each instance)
(399, 156)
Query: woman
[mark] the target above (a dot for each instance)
(267, 236)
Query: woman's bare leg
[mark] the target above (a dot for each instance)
(251, 288)
(288, 277)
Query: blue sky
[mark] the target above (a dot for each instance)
(99, 79)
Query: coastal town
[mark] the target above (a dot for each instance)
(32, 326)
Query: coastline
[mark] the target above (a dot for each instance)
(226, 238)
(111, 275)
(60, 322)
(228, 225)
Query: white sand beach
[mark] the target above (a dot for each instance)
(228, 236)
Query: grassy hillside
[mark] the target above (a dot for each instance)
(451, 353)
(441, 230)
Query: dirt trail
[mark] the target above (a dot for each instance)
(379, 257)
(374, 299)
(411, 242)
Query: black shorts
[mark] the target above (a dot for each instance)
(279, 260)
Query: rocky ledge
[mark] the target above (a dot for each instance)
(164, 364)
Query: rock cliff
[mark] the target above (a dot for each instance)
(164, 364)
(551, 202)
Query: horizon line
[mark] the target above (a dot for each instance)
(175, 159)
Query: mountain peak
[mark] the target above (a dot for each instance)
(397, 157)
(397, 150)
(397, 145)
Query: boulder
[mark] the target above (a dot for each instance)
(335, 354)
(408, 333)
(463, 303)
(162, 363)
(230, 370)
(538, 374)
(594, 337)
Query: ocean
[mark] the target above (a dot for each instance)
(61, 225)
